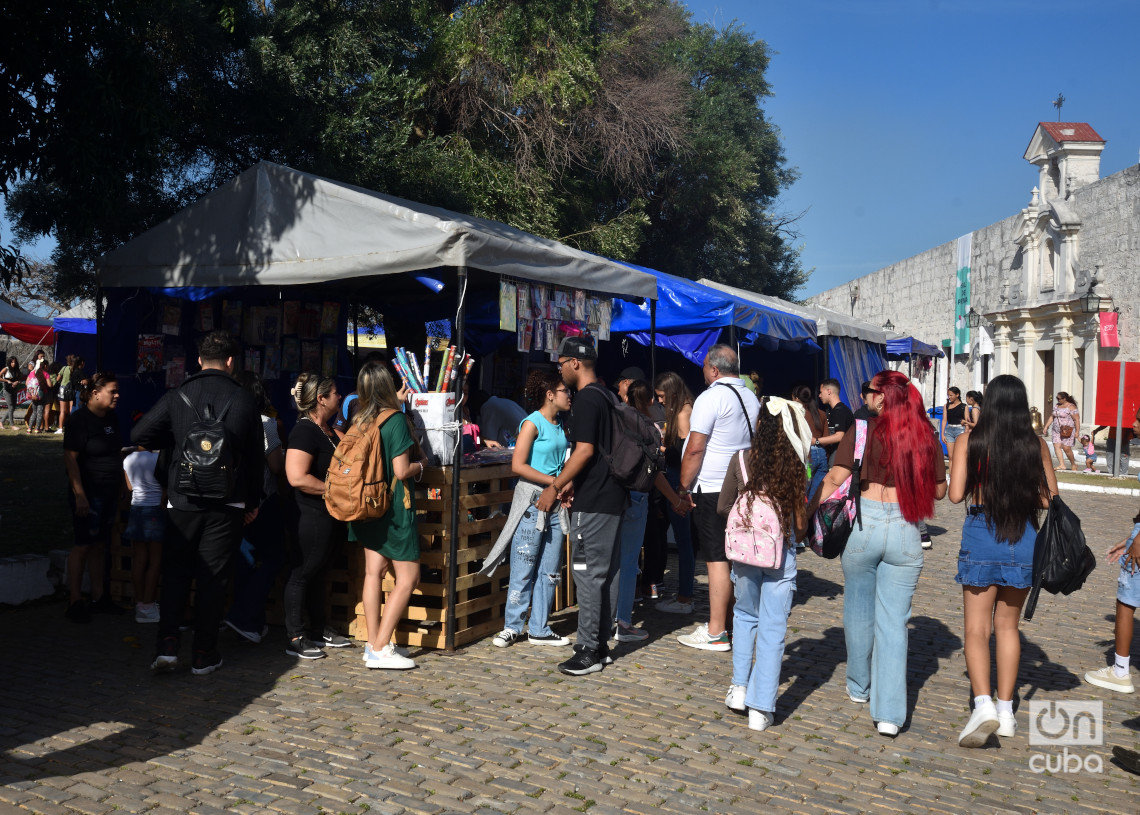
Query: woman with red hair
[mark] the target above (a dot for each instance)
(901, 476)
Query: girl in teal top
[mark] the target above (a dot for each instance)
(536, 548)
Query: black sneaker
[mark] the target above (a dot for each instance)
(583, 662)
(205, 662)
(166, 660)
(105, 605)
(331, 639)
(301, 647)
(78, 612)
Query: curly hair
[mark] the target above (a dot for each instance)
(774, 470)
(538, 382)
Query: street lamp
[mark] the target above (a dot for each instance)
(1091, 302)
(973, 318)
(888, 325)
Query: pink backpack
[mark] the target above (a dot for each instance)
(753, 535)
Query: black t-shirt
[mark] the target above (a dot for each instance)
(595, 489)
(839, 418)
(956, 414)
(97, 441)
(863, 413)
(309, 438)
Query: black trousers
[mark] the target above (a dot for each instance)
(198, 549)
(317, 532)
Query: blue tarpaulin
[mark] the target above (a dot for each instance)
(900, 347)
(853, 362)
(690, 317)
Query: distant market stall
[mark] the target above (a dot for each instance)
(285, 258)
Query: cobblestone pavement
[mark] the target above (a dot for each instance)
(86, 729)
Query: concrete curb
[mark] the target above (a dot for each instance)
(1129, 491)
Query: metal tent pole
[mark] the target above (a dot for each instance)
(653, 343)
(456, 465)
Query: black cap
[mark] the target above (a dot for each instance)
(577, 348)
(632, 372)
(863, 391)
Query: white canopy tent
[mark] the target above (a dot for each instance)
(275, 226)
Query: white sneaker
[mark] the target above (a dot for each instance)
(983, 722)
(887, 729)
(674, 606)
(1007, 725)
(734, 699)
(856, 699)
(387, 658)
(1106, 678)
(506, 638)
(369, 653)
(58, 432)
(700, 638)
(759, 719)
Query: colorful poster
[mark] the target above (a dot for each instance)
(508, 314)
(311, 355)
(150, 353)
(1109, 338)
(231, 316)
(328, 356)
(962, 296)
(175, 368)
(579, 305)
(525, 335)
(309, 325)
(206, 317)
(253, 359)
(291, 310)
(291, 354)
(272, 364)
(330, 317)
(172, 319)
(524, 309)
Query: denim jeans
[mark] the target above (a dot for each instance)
(536, 563)
(254, 581)
(819, 469)
(682, 534)
(632, 536)
(760, 624)
(881, 565)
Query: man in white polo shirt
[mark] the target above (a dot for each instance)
(722, 423)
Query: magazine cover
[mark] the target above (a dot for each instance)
(150, 353)
(291, 354)
(291, 311)
(309, 324)
(253, 359)
(508, 318)
(176, 370)
(328, 357)
(330, 317)
(272, 362)
(311, 355)
(206, 317)
(172, 319)
(231, 316)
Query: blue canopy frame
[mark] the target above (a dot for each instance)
(904, 347)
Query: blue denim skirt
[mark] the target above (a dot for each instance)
(984, 561)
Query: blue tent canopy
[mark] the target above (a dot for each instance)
(900, 346)
(690, 317)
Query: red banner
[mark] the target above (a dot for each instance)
(1108, 335)
(1108, 392)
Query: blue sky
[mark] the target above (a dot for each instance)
(908, 119)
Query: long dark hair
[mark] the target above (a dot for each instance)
(677, 395)
(774, 469)
(806, 397)
(1004, 471)
(909, 449)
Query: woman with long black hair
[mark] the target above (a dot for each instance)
(678, 402)
(902, 475)
(1004, 471)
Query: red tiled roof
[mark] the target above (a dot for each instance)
(1070, 131)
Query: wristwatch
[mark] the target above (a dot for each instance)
(684, 492)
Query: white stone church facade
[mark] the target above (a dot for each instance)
(1028, 274)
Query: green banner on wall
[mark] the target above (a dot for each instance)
(962, 296)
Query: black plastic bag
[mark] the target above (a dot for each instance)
(1062, 561)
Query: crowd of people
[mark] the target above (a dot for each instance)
(49, 389)
(722, 445)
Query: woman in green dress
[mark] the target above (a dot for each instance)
(391, 543)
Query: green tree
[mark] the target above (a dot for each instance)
(615, 125)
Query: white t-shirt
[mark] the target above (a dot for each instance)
(717, 414)
(145, 489)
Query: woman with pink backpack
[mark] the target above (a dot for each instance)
(763, 498)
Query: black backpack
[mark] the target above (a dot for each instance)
(1062, 561)
(207, 464)
(635, 456)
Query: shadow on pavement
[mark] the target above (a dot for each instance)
(87, 700)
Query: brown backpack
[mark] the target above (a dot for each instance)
(355, 486)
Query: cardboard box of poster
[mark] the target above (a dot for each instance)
(430, 412)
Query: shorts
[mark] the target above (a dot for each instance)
(709, 527)
(953, 431)
(145, 523)
(1128, 587)
(984, 561)
(96, 527)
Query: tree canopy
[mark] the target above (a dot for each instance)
(617, 126)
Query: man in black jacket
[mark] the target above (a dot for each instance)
(202, 536)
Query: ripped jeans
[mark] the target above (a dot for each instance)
(536, 564)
